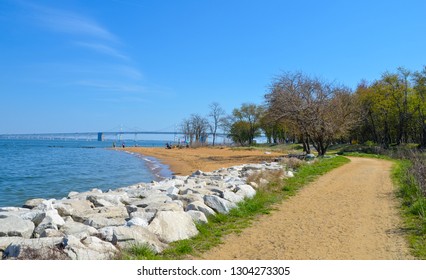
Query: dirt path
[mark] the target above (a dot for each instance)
(349, 213)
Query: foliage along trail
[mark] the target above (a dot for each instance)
(349, 213)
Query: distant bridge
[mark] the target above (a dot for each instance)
(100, 135)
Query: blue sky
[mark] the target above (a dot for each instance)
(75, 65)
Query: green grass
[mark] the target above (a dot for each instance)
(282, 148)
(413, 208)
(237, 219)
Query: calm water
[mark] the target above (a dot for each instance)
(51, 169)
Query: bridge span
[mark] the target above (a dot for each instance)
(93, 135)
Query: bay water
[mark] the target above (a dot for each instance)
(52, 168)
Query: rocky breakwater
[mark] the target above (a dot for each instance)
(96, 224)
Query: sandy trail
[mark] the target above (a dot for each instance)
(349, 213)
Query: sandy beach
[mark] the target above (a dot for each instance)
(187, 160)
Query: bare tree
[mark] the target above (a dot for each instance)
(216, 114)
(195, 129)
(199, 127)
(320, 111)
(187, 131)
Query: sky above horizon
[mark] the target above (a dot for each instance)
(83, 66)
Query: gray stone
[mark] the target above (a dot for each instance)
(35, 249)
(74, 207)
(45, 205)
(289, 174)
(126, 237)
(35, 216)
(12, 209)
(253, 167)
(78, 229)
(112, 212)
(164, 207)
(189, 198)
(89, 248)
(171, 226)
(100, 222)
(55, 217)
(106, 233)
(197, 216)
(108, 199)
(51, 233)
(71, 194)
(144, 215)
(30, 204)
(232, 197)
(6, 241)
(131, 209)
(310, 156)
(16, 226)
(245, 191)
(197, 173)
(153, 199)
(172, 190)
(218, 204)
(200, 206)
(137, 222)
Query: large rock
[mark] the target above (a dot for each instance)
(73, 207)
(148, 216)
(126, 237)
(100, 222)
(171, 206)
(108, 199)
(16, 226)
(218, 204)
(172, 226)
(78, 229)
(51, 220)
(200, 206)
(6, 241)
(245, 191)
(137, 222)
(13, 211)
(153, 199)
(198, 216)
(35, 249)
(233, 197)
(30, 204)
(113, 212)
(89, 248)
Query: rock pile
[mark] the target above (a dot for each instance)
(96, 224)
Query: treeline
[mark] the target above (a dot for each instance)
(393, 109)
(316, 113)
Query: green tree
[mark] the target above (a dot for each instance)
(250, 115)
(240, 132)
(419, 104)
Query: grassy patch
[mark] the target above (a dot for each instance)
(262, 203)
(413, 207)
(282, 148)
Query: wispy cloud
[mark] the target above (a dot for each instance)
(68, 22)
(104, 49)
(111, 86)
